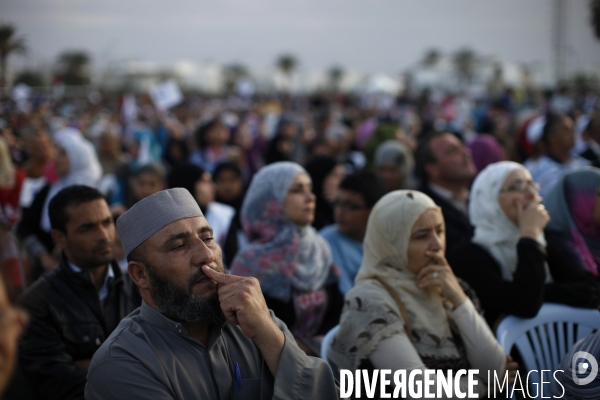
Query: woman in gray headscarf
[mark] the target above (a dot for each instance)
(287, 255)
(394, 165)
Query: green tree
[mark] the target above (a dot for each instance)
(30, 78)
(464, 62)
(287, 64)
(431, 58)
(232, 73)
(336, 74)
(595, 17)
(9, 44)
(73, 67)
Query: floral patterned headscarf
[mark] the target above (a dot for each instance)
(281, 254)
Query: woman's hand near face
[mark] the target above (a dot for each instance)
(532, 219)
(439, 274)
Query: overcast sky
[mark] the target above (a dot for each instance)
(366, 35)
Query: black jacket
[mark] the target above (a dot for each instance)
(590, 155)
(525, 294)
(68, 323)
(458, 226)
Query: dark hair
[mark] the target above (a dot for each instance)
(366, 184)
(185, 176)
(153, 169)
(594, 119)
(424, 155)
(202, 131)
(227, 166)
(69, 197)
(552, 121)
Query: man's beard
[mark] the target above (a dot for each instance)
(182, 305)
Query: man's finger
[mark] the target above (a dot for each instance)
(219, 277)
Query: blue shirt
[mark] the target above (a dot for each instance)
(347, 255)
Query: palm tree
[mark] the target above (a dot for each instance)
(73, 66)
(464, 61)
(232, 73)
(287, 64)
(30, 78)
(9, 44)
(336, 74)
(431, 58)
(595, 17)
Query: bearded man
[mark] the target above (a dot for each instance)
(200, 333)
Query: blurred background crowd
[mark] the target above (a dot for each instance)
(358, 137)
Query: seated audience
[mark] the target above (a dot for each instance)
(76, 164)
(506, 260)
(146, 181)
(211, 145)
(200, 184)
(407, 309)
(573, 233)
(230, 191)
(446, 169)
(394, 165)
(357, 195)
(74, 308)
(286, 254)
(486, 150)
(11, 184)
(533, 142)
(13, 323)
(559, 140)
(591, 135)
(199, 334)
(326, 174)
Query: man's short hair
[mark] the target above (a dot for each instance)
(424, 155)
(151, 169)
(366, 184)
(552, 121)
(69, 197)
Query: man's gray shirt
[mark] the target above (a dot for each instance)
(150, 356)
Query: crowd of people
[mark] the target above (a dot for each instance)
(135, 239)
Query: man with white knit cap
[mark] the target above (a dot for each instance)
(200, 333)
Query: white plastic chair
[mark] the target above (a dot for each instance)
(544, 340)
(327, 339)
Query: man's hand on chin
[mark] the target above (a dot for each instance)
(243, 304)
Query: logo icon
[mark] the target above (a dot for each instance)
(580, 364)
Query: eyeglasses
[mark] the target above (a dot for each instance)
(521, 186)
(342, 205)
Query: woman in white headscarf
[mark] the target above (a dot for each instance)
(407, 309)
(76, 163)
(505, 262)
